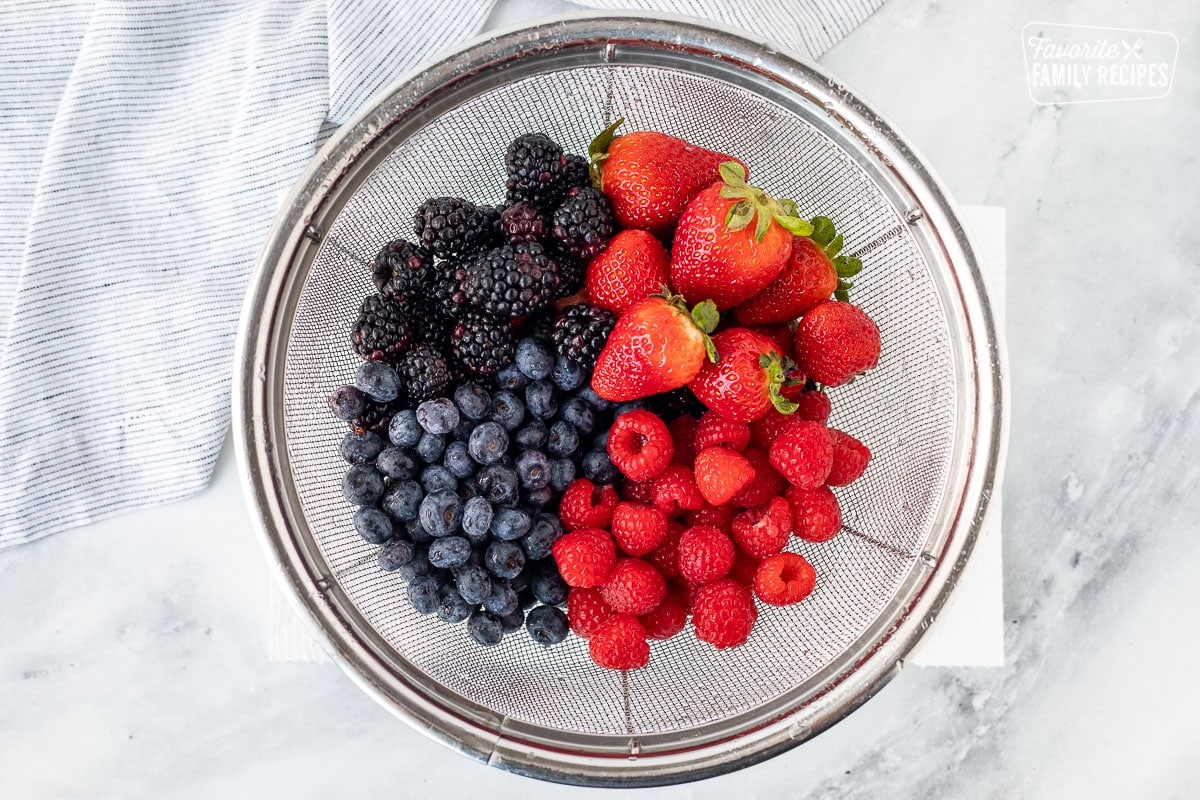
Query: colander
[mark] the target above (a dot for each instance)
(932, 413)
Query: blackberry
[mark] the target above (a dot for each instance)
(483, 343)
(447, 296)
(540, 325)
(381, 330)
(376, 418)
(584, 223)
(425, 371)
(511, 281)
(406, 269)
(576, 172)
(453, 226)
(580, 333)
(522, 222)
(428, 324)
(535, 164)
(676, 403)
(571, 272)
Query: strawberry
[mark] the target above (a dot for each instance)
(655, 346)
(781, 335)
(633, 266)
(836, 341)
(814, 271)
(650, 177)
(745, 381)
(717, 254)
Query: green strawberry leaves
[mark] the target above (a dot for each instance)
(777, 369)
(707, 317)
(755, 205)
(831, 243)
(598, 151)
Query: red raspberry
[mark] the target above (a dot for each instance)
(640, 445)
(850, 459)
(620, 644)
(587, 611)
(633, 587)
(637, 491)
(813, 406)
(665, 557)
(816, 515)
(714, 430)
(767, 481)
(686, 592)
(675, 491)
(744, 567)
(668, 619)
(764, 530)
(721, 473)
(784, 579)
(705, 554)
(585, 557)
(723, 613)
(803, 453)
(638, 528)
(836, 341)
(720, 517)
(683, 434)
(585, 505)
(764, 429)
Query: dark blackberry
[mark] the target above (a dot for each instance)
(483, 343)
(381, 330)
(540, 325)
(580, 333)
(676, 403)
(425, 371)
(522, 222)
(511, 281)
(584, 223)
(453, 226)
(447, 295)
(375, 419)
(576, 172)
(403, 270)
(535, 164)
(428, 324)
(571, 272)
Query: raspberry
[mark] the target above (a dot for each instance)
(764, 530)
(683, 434)
(640, 445)
(721, 473)
(816, 516)
(585, 505)
(675, 491)
(767, 481)
(705, 554)
(803, 453)
(587, 611)
(585, 557)
(668, 619)
(813, 405)
(720, 517)
(633, 587)
(713, 430)
(686, 591)
(784, 579)
(638, 528)
(638, 491)
(764, 429)
(850, 459)
(665, 557)
(744, 567)
(723, 613)
(620, 643)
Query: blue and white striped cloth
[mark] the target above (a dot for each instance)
(144, 148)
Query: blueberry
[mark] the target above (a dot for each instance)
(600, 440)
(457, 459)
(373, 525)
(417, 532)
(509, 524)
(395, 554)
(485, 628)
(423, 594)
(416, 566)
(532, 436)
(543, 533)
(362, 449)
(533, 359)
(488, 442)
(511, 378)
(580, 414)
(562, 474)
(503, 560)
(540, 400)
(362, 485)
(477, 519)
(525, 597)
(347, 402)
(588, 395)
(538, 497)
(568, 375)
(436, 478)
(378, 381)
(396, 463)
(404, 430)
(473, 583)
(598, 468)
(498, 484)
(563, 439)
(508, 410)
(462, 431)
(451, 606)
(548, 587)
(514, 621)
(521, 582)
(630, 405)
(402, 499)
(438, 415)
(547, 625)
(441, 513)
(503, 599)
(533, 469)
(473, 401)
(449, 552)
(431, 447)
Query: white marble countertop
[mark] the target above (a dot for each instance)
(133, 656)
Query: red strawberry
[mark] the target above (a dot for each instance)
(745, 381)
(718, 255)
(836, 341)
(721, 473)
(781, 335)
(655, 346)
(632, 267)
(649, 177)
(850, 459)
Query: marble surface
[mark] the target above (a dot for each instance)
(133, 660)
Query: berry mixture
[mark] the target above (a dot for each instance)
(601, 407)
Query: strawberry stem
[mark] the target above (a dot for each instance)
(777, 369)
(754, 205)
(598, 151)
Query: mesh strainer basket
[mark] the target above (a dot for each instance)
(931, 413)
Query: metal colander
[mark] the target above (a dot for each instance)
(931, 413)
